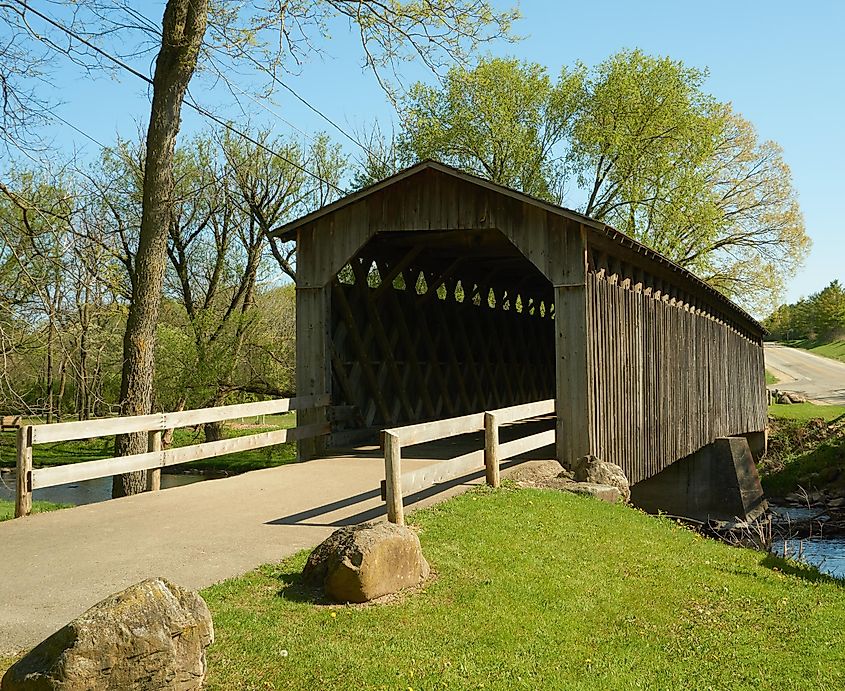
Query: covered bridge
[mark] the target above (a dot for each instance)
(435, 293)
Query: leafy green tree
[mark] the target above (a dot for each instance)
(830, 310)
(651, 152)
(820, 317)
(504, 120)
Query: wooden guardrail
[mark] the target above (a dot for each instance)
(10, 422)
(29, 479)
(397, 484)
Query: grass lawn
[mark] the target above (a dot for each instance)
(833, 349)
(543, 590)
(94, 449)
(771, 379)
(7, 508)
(806, 411)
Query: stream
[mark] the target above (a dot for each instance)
(826, 554)
(89, 491)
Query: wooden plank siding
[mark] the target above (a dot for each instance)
(667, 380)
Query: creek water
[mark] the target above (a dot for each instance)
(88, 491)
(827, 554)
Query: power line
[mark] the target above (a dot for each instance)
(152, 27)
(319, 113)
(54, 116)
(190, 103)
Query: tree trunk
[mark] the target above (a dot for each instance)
(183, 28)
(84, 394)
(62, 383)
(50, 332)
(213, 431)
(167, 436)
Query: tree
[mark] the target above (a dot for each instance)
(183, 29)
(383, 156)
(54, 293)
(390, 32)
(829, 311)
(36, 230)
(651, 152)
(819, 317)
(667, 164)
(504, 120)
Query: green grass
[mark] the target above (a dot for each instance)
(806, 411)
(7, 508)
(771, 379)
(538, 589)
(95, 449)
(832, 349)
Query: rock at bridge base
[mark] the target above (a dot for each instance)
(596, 471)
(153, 635)
(606, 493)
(363, 562)
(533, 473)
(548, 475)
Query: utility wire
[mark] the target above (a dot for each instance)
(146, 20)
(189, 102)
(153, 28)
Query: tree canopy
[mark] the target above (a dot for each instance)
(818, 317)
(635, 142)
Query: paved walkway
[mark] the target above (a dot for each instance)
(819, 378)
(53, 566)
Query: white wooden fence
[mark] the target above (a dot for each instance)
(397, 484)
(29, 479)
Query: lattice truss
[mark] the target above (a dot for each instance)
(412, 343)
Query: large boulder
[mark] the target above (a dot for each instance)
(362, 562)
(534, 473)
(153, 635)
(598, 472)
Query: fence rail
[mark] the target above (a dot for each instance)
(397, 484)
(29, 479)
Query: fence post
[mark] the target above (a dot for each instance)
(154, 475)
(23, 495)
(491, 449)
(393, 478)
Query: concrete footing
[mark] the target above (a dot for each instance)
(758, 442)
(719, 482)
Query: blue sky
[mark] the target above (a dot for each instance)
(781, 64)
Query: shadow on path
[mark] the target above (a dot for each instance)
(305, 517)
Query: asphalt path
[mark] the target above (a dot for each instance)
(820, 379)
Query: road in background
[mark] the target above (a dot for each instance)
(820, 379)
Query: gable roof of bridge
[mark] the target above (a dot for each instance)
(287, 232)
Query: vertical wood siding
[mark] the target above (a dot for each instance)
(666, 378)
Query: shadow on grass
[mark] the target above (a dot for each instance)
(803, 571)
(296, 589)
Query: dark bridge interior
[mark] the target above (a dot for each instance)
(433, 324)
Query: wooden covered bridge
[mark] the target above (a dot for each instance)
(435, 294)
